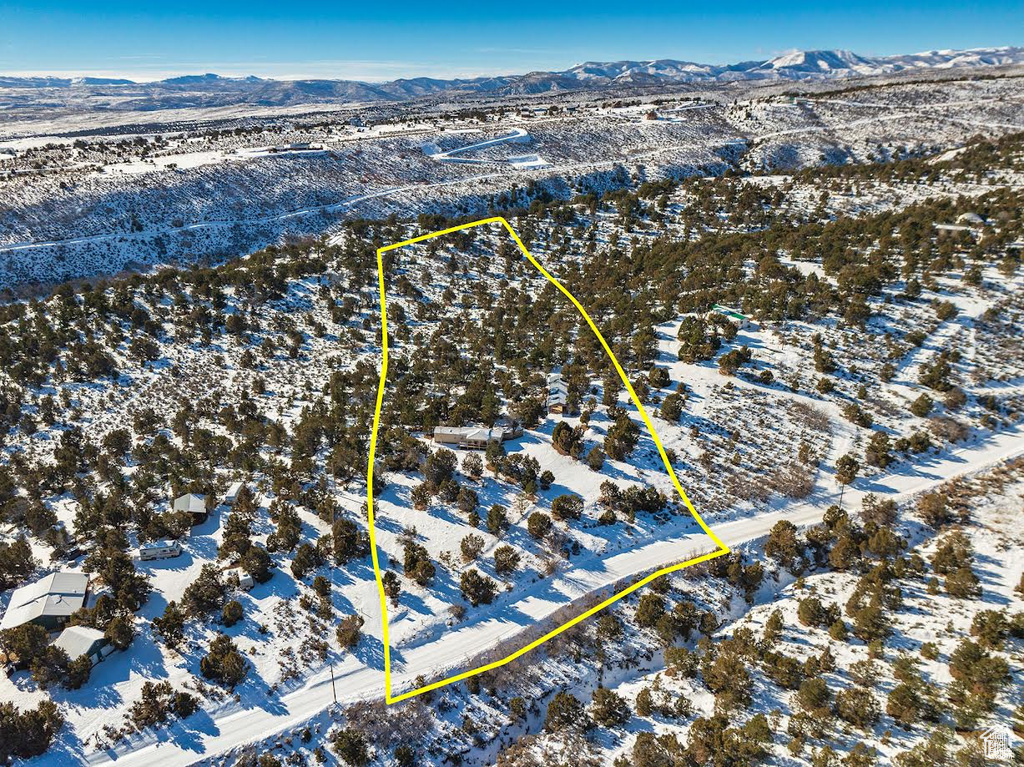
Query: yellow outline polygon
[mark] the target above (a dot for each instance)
(722, 548)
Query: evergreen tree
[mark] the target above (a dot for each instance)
(497, 520)
(609, 709)
(171, 625)
(476, 588)
(223, 662)
(506, 560)
(566, 712)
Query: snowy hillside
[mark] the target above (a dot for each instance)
(848, 334)
(83, 207)
(809, 271)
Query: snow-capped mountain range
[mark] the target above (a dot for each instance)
(796, 65)
(212, 89)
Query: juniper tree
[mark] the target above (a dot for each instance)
(78, 672)
(477, 588)
(205, 594)
(223, 662)
(649, 609)
(351, 747)
(567, 506)
(392, 587)
(232, 613)
(16, 562)
(609, 709)
(671, 407)
(497, 520)
(538, 524)
(814, 697)
(472, 466)
(783, 545)
(922, 406)
(348, 631)
(257, 562)
(171, 625)
(26, 734)
(305, 560)
(847, 468)
(120, 632)
(566, 712)
(471, 546)
(506, 560)
(877, 452)
(857, 706)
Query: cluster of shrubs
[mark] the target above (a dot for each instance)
(25, 734)
(629, 501)
(159, 703)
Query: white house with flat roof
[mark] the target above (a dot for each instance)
(475, 437)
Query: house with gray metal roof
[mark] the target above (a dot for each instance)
(47, 602)
(193, 504)
(77, 641)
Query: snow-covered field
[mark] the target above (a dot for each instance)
(872, 314)
(636, 663)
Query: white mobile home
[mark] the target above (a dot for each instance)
(232, 494)
(160, 550)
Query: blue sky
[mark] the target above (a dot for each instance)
(380, 41)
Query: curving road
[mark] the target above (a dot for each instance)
(227, 728)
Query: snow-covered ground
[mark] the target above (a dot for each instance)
(308, 319)
(424, 643)
(233, 725)
(924, 620)
(112, 205)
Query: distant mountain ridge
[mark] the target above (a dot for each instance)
(211, 89)
(797, 65)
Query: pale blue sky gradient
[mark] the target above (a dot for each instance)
(383, 41)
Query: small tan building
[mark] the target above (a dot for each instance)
(558, 394)
(475, 437)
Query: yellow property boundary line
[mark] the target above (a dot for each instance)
(722, 548)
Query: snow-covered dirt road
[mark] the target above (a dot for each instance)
(518, 135)
(204, 737)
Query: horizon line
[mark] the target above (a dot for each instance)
(439, 73)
